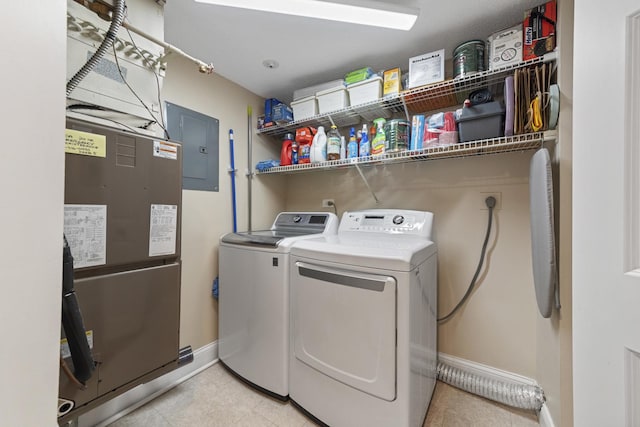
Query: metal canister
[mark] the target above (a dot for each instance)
(397, 133)
(468, 58)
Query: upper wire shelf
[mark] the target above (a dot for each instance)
(423, 99)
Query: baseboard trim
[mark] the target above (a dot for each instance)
(120, 406)
(544, 418)
(485, 370)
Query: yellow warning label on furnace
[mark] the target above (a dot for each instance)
(85, 143)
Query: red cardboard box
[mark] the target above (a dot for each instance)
(539, 30)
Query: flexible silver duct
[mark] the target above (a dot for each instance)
(517, 395)
(109, 38)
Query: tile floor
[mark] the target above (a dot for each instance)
(216, 398)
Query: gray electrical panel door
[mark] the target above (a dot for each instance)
(198, 134)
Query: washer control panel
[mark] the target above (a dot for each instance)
(390, 221)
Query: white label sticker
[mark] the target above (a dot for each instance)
(64, 345)
(163, 223)
(85, 227)
(165, 149)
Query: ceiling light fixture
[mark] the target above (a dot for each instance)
(374, 13)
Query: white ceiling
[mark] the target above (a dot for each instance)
(312, 51)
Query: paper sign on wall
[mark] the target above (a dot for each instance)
(163, 223)
(85, 143)
(85, 227)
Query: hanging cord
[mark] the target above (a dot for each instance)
(333, 205)
(115, 54)
(164, 123)
(491, 203)
(70, 375)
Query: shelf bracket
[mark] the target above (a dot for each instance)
(331, 120)
(406, 110)
(367, 183)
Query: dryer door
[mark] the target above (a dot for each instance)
(344, 325)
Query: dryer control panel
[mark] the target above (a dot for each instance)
(389, 221)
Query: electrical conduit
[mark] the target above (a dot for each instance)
(109, 38)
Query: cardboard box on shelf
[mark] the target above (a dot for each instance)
(505, 47)
(539, 30)
(426, 69)
(392, 82)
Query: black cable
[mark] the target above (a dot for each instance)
(157, 82)
(335, 209)
(97, 108)
(491, 203)
(115, 54)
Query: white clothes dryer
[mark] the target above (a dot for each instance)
(253, 297)
(363, 320)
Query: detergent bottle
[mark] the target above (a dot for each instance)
(379, 141)
(352, 146)
(319, 146)
(365, 146)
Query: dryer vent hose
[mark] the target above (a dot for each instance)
(516, 395)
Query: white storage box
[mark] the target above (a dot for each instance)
(306, 92)
(305, 108)
(332, 99)
(365, 91)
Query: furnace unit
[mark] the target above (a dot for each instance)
(122, 221)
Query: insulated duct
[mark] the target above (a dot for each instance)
(110, 37)
(521, 396)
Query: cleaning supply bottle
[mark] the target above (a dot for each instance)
(365, 146)
(333, 143)
(352, 147)
(343, 147)
(379, 141)
(319, 146)
(295, 147)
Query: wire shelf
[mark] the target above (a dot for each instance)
(529, 141)
(447, 94)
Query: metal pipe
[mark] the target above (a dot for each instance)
(232, 172)
(521, 396)
(169, 48)
(249, 160)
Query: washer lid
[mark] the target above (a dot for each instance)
(262, 237)
(380, 251)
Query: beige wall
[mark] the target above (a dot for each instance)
(500, 325)
(207, 215)
(497, 325)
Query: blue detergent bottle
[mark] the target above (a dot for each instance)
(352, 147)
(365, 145)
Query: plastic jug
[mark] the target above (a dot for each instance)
(285, 153)
(319, 146)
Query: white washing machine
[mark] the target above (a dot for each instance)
(363, 320)
(253, 296)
